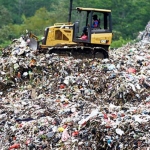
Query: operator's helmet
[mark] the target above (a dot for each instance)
(95, 17)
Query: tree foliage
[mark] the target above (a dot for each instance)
(5, 17)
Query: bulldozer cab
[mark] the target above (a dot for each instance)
(67, 37)
(98, 35)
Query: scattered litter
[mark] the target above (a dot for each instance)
(52, 102)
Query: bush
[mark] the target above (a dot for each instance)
(4, 44)
(120, 42)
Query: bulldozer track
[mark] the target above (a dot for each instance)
(80, 52)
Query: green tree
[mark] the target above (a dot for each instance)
(5, 17)
(130, 16)
(35, 24)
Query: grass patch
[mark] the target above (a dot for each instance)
(5, 44)
(120, 42)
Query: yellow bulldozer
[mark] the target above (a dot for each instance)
(65, 38)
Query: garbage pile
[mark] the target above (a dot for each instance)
(52, 102)
(145, 35)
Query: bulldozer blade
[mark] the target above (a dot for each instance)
(33, 44)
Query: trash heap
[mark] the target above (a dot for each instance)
(52, 102)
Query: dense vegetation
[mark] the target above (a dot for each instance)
(129, 16)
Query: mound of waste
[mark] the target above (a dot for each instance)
(51, 102)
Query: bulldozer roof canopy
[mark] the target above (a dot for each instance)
(92, 9)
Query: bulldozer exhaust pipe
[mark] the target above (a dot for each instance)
(70, 10)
